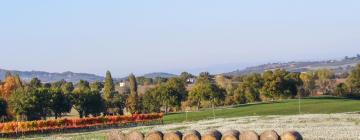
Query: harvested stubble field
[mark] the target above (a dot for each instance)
(311, 126)
(323, 118)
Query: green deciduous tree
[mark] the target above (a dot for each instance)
(326, 82)
(172, 93)
(353, 81)
(204, 90)
(166, 95)
(35, 83)
(206, 75)
(67, 87)
(280, 84)
(59, 102)
(151, 100)
(200, 91)
(85, 101)
(308, 80)
(58, 84)
(96, 86)
(119, 103)
(340, 89)
(249, 89)
(30, 103)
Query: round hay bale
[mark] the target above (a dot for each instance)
(134, 135)
(212, 135)
(116, 135)
(291, 135)
(192, 135)
(231, 135)
(173, 136)
(154, 135)
(249, 135)
(269, 135)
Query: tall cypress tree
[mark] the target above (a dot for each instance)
(133, 103)
(133, 84)
(109, 87)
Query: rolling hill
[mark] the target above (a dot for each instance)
(51, 77)
(339, 66)
(70, 76)
(159, 74)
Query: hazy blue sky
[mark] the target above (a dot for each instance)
(173, 35)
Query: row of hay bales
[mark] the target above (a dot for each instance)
(211, 135)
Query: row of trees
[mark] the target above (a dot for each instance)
(210, 91)
(35, 100)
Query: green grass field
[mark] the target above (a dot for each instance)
(314, 105)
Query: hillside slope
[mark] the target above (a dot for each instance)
(339, 66)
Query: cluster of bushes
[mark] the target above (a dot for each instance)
(62, 124)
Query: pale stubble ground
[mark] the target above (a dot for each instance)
(342, 126)
(311, 126)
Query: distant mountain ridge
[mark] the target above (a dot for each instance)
(51, 77)
(70, 76)
(339, 66)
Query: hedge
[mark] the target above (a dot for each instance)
(80, 123)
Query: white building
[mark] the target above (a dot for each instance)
(122, 84)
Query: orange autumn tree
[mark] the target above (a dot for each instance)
(10, 84)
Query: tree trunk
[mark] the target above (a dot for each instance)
(166, 109)
(198, 105)
(213, 107)
(86, 114)
(81, 114)
(44, 116)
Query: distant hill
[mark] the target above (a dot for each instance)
(159, 74)
(71, 76)
(152, 75)
(51, 77)
(339, 66)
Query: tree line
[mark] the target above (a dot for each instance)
(36, 100)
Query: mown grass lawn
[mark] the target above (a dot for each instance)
(314, 105)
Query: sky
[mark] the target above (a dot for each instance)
(142, 36)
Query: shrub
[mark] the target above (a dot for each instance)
(53, 125)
